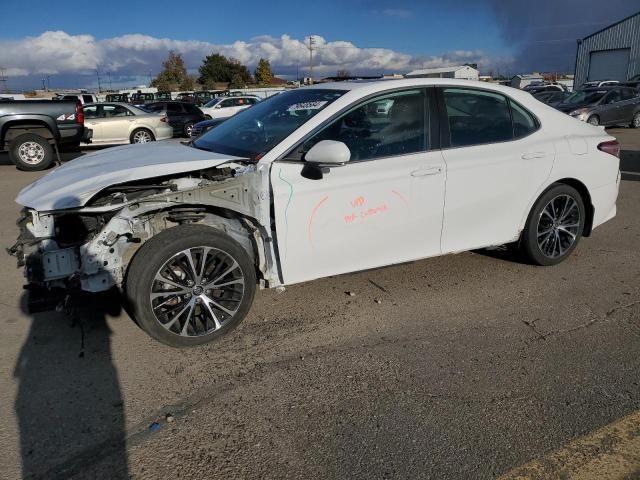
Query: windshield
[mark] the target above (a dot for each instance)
(256, 130)
(584, 96)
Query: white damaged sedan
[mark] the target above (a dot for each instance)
(310, 183)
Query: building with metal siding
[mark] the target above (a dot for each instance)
(612, 53)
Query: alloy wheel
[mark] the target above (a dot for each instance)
(31, 153)
(636, 120)
(141, 136)
(558, 226)
(197, 291)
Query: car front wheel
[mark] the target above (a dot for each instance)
(593, 120)
(554, 226)
(189, 285)
(635, 123)
(187, 129)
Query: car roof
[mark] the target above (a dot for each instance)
(122, 104)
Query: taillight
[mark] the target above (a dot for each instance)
(164, 119)
(79, 113)
(612, 148)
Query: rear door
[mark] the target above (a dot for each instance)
(495, 167)
(115, 123)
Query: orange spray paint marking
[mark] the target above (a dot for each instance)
(358, 202)
(401, 197)
(309, 228)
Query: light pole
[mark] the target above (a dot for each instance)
(98, 75)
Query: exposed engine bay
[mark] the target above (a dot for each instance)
(90, 247)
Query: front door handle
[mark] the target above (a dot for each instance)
(423, 172)
(532, 155)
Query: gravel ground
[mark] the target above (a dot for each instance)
(464, 366)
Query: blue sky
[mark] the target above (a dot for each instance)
(413, 27)
(70, 40)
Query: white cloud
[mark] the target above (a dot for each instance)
(136, 54)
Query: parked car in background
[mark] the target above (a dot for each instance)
(182, 115)
(186, 97)
(604, 106)
(225, 107)
(78, 97)
(547, 87)
(552, 98)
(142, 98)
(163, 96)
(117, 97)
(314, 183)
(117, 123)
(599, 83)
(30, 128)
(206, 125)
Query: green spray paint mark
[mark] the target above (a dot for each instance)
(286, 209)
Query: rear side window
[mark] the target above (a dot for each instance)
(174, 108)
(523, 121)
(87, 98)
(479, 117)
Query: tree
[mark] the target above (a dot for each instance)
(217, 68)
(343, 74)
(263, 74)
(174, 74)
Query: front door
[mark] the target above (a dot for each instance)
(383, 207)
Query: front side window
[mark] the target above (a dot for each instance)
(227, 103)
(254, 131)
(612, 97)
(477, 117)
(87, 98)
(389, 125)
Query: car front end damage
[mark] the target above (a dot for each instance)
(88, 248)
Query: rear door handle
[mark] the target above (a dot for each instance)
(423, 172)
(532, 155)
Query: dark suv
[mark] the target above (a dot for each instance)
(182, 115)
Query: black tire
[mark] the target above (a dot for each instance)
(155, 254)
(39, 157)
(593, 120)
(187, 129)
(133, 136)
(538, 219)
(635, 122)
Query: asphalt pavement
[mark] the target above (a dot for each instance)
(465, 366)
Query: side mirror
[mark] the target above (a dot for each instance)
(329, 153)
(218, 106)
(322, 156)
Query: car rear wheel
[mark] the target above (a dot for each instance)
(189, 285)
(635, 123)
(187, 129)
(593, 120)
(142, 135)
(30, 152)
(554, 226)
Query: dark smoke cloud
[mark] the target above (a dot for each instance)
(543, 33)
